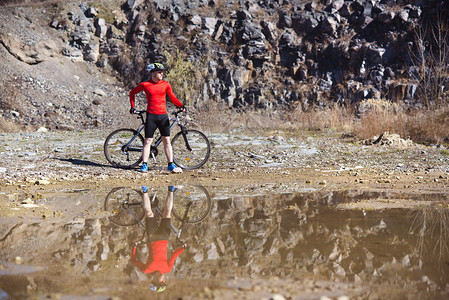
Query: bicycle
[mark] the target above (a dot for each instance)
(123, 147)
(193, 204)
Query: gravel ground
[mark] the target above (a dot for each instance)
(326, 160)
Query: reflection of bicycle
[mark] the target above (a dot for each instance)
(123, 147)
(191, 205)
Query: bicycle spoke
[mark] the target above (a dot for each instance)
(194, 198)
(199, 153)
(121, 150)
(115, 204)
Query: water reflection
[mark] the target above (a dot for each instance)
(331, 236)
(430, 225)
(131, 207)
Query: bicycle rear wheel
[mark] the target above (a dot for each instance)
(194, 197)
(198, 153)
(121, 150)
(123, 215)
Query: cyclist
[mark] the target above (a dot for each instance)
(155, 90)
(157, 237)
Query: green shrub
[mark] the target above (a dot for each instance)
(180, 74)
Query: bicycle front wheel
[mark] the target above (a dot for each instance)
(193, 200)
(123, 148)
(192, 150)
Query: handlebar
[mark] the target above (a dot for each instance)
(141, 112)
(179, 111)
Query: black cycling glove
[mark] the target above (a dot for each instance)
(132, 110)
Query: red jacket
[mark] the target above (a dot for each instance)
(155, 93)
(157, 258)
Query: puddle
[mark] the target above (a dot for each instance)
(236, 240)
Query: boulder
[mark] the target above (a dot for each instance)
(285, 20)
(132, 4)
(91, 52)
(209, 25)
(91, 12)
(386, 17)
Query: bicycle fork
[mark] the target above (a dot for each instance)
(184, 135)
(185, 218)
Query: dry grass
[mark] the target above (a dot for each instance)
(424, 126)
(220, 118)
(431, 226)
(12, 3)
(7, 126)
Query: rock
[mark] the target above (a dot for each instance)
(415, 12)
(386, 17)
(269, 30)
(42, 129)
(304, 22)
(388, 139)
(21, 51)
(285, 20)
(54, 23)
(403, 15)
(209, 25)
(91, 12)
(18, 260)
(196, 20)
(132, 4)
(273, 40)
(42, 182)
(91, 52)
(27, 201)
(94, 111)
(100, 28)
(100, 92)
(329, 25)
(335, 5)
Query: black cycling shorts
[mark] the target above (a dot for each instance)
(158, 233)
(154, 122)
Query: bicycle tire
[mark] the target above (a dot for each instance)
(114, 204)
(198, 198)
(114, 150)
(199, 153)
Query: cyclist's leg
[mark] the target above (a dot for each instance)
(150, 128)
(146, 149)
(163, 231)
(168, 150)
(168, 205)
(164, 128)
(147, 205)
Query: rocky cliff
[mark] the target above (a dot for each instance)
(70, 65)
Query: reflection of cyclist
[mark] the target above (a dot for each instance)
(157, 237)
(155, 90)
